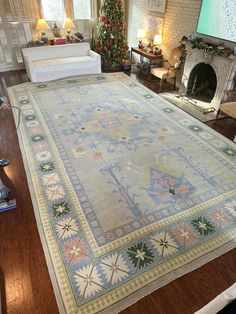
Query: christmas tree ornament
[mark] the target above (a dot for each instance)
(103, 19)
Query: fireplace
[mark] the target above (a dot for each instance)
(211, 74)
(202, 82)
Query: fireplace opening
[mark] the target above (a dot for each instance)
(202, 82)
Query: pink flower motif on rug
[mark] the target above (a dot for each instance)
(75, 251)
(39, 147)
(185, 234)
(220, 218)
(34, 130)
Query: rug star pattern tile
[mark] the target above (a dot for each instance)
(129, 192)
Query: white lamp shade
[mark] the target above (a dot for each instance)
(141, 33)
(68, 24)
(157, 40)
(42, 25)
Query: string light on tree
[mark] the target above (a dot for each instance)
(111, 41)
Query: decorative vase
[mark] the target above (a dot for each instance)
(56, 31)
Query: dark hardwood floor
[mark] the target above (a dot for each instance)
(24, 280)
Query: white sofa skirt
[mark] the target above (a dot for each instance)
(51, 69)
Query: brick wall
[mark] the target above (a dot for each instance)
(180, 19)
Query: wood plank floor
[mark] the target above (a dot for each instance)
(24, 280)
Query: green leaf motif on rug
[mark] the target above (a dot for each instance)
(168, 110)
(132, 85)
(140, 255)
(203, 226)
(30, 118)
(101, 78)
(42, 86)
(195, 128)
(229, 151)
(24, 102)
(71, 81)
(37, 138)
(60, 209)
(47, 166)
(148, 96)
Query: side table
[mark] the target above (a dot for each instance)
(148, 55)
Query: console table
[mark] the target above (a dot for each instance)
(148, 55)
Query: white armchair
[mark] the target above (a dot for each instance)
(53, 62)
(170, 66)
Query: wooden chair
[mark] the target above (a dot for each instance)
(228, 109)
(170, 66)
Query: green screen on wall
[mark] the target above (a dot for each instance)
(218, 19)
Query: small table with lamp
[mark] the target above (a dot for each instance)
(148, 55)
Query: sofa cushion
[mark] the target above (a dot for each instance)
(61, 63)
(58, 51)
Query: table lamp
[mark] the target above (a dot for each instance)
(68, 24)
(157, 40)
(42, 26)
(141, 34)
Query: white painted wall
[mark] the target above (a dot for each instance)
(137, 18)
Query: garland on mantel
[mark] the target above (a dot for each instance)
(197, 42)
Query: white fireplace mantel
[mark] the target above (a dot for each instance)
(224, 67)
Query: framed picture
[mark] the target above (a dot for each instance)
(154, 26)
(157, 7)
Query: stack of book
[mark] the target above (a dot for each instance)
(7, 205)
(60, 41)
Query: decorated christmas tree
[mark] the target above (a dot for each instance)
(111, 36)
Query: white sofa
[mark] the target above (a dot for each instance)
(53, 62)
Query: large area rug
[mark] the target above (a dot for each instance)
(129, 191)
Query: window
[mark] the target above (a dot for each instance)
(84, 9)
(53, 10)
